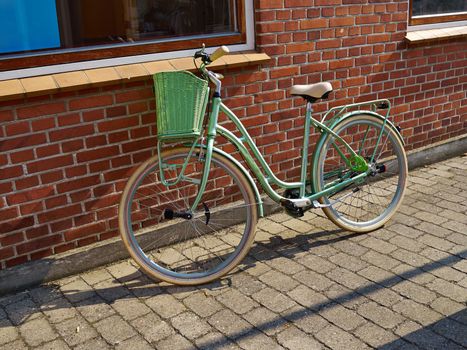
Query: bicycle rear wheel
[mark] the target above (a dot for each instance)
(164, 241)
(369, 204)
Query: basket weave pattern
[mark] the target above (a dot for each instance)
(181, 100)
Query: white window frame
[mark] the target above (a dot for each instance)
(76, 66)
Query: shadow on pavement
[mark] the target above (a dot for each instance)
(24, 306)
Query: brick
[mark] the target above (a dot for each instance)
(50, 163)
(22, 142)
(90, 102)
(38, 244)
(41, 110)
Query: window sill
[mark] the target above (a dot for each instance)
(49, 84)
(430, 35)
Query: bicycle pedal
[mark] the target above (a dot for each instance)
(295, 212)
(292, 209)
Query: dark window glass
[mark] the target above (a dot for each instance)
(41, 26)
(437, 7)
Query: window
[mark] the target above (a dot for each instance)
(48, 32)
(437, 11)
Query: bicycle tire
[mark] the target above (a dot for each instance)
(194, 251)
(363, 207)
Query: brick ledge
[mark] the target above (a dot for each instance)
(429, 35)
(48, 84)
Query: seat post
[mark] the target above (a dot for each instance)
(306, 143)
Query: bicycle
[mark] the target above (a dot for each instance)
(188, 214)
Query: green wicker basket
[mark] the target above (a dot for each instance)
(181, 100)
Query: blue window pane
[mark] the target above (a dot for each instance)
(28, 25)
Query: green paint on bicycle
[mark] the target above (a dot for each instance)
(358, 163)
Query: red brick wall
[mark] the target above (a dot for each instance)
(65, 158)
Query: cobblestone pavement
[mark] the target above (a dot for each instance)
(305, 285)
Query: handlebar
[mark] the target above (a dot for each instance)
(207, 59)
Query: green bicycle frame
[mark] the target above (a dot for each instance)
(263, 172)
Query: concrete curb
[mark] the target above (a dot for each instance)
(103, 253)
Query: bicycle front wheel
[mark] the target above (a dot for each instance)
(368, 204)
(174, 244)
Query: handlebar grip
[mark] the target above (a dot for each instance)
(221, 51)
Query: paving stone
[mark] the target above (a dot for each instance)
(273, 300)
(93, 344)
(449, 290)
(316, 263)
(270, 226)
(299, 226)
(307, 320)
(285, 265)
(448, 274)
(202, 305)
(375, 335)
(380, 276)
(457, 227)
(452, 330)
(236, 301)
(348, 261)
(415, 292)
(22, 311)
(16, 345)
(278, 280)
(408, 243)
(293, 338)
(382, 261)
(136, 343)
(256, 340)
(58, 310)
(422, 337)
(229, 323)
(75, 331)
(385, 297)
(94, 309)
(350, 248)
(313, 280)
(342, 317)
(152, 328)
(45, 293)
(37, 331)
(265, 320)
(246, 284)
(175, 342)
(124, 271)
(130, 308)
(114, 329)
(337, 339)
(77, 290)
(215, 341)
(410, 258)
(378, 245)
(190, 325)
(345, 296)
(309, 298)
(165, 305)
(461, 266)
(8, 332)
(382, 316)
(348, 278)
(54, 345)
(111, 290)
(96, 276)
(403, 219)
(417, 312)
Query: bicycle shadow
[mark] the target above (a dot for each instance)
(59, 299)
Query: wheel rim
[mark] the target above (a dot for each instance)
(197, 248)
(369, 204)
